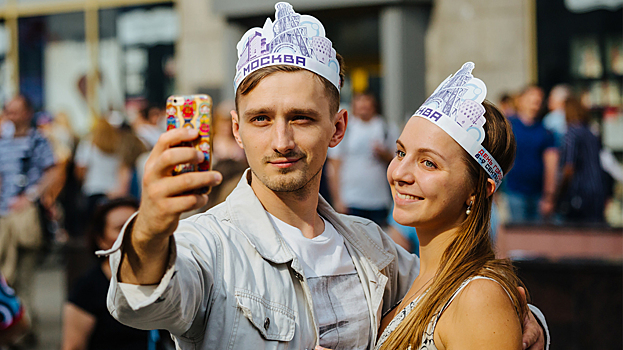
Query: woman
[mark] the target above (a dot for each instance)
(99, 164)
(582, 188)
(87, 323)
(463, 298)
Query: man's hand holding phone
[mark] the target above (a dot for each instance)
(165, 197)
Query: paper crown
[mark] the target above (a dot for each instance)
(456, 107)
(293, 39)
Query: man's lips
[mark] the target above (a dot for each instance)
(284, 162)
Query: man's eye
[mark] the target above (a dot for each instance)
(301, 117)
(429, 164)
(259, 118)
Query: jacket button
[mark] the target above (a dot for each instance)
(266, 323)
(298, 276)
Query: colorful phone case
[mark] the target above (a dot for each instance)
(193, 111)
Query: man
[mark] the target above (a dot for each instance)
(554, 121)
(26, 173)
(530, 185)
(360, 163)
(274, 266)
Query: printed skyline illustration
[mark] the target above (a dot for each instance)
(291, 33)
(460, 97)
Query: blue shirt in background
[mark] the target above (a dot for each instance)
(526, 176)
(407, 232)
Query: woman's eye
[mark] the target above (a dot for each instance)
(400, 154)
(429, 164)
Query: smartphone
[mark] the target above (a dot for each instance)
(193, 111)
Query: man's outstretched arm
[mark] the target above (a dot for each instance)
(165, 197)
(155, 282)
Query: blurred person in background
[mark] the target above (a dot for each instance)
(130, 149)
(224, 145)
(98, 163)
(148, 126)
(554, 121)
(507, 104)
(530, 185)
(359, 162)
(61, 139)
(227, 156)
(404, 236)
(581, 190)
(87, 324)
(26, 174)
(13, 319)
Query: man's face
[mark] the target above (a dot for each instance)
(17, 112)
(530, 102)
(363, 107)
(285, 127)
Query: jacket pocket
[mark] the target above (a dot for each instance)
(274, 321)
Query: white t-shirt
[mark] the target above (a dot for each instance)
(102, 169)
(363, 177)
(339, 303)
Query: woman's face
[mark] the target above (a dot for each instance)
(115, 220)
(428, 178)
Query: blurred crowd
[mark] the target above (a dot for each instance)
(563, 173)
(58, 189)
(73, 194)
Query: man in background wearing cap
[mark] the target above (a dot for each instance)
(274, 266)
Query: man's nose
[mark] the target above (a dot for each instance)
(282, 137)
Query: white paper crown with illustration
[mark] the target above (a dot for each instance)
(293, 39)
(456, 107)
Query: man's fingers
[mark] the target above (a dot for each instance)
(172, 157)
(174, 137)
(532, 337)
(522, 292)
(176, 185)
(539, 345)
(187, 202)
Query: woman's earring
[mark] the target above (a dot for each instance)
(469, 208)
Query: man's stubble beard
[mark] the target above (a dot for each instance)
(298, 186)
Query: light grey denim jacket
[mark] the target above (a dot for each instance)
(233, 283)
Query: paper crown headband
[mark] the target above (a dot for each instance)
(293, 39)
(456, 107)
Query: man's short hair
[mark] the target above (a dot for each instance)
(560, 92)
(253, 79)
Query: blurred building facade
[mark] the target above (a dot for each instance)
(84, 57)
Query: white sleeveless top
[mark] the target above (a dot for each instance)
(428, 342)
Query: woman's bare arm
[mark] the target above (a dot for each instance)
(77, 327)
(481, 317)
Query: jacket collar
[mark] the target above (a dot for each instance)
(360, 240)
(248, 214)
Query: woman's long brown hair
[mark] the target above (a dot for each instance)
(471, 252)
(105, 136)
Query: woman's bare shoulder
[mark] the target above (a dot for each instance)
(482, 316)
